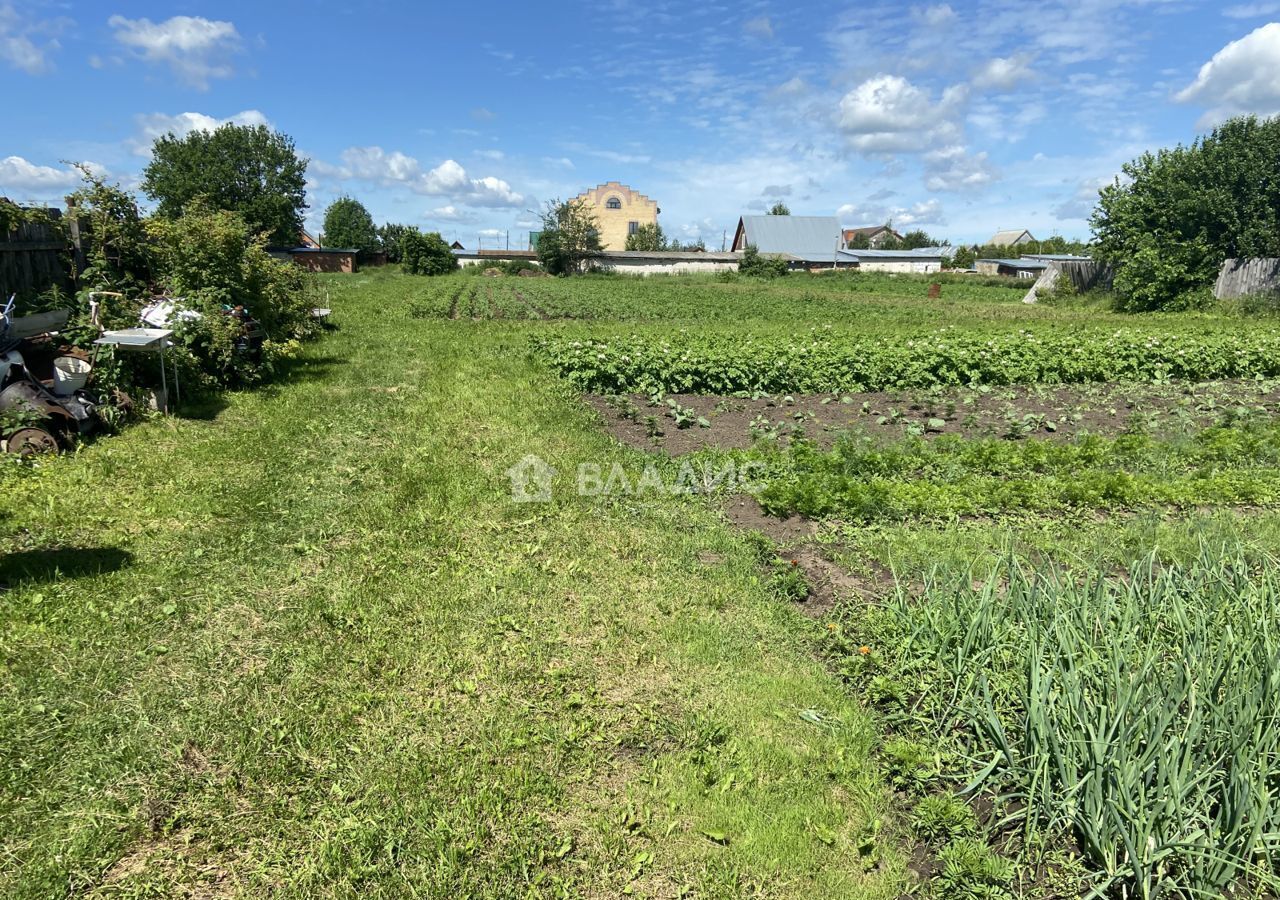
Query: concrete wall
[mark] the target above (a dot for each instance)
(614, 223)
(672, 267)
(915, 266)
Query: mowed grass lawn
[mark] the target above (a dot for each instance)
(307, 645)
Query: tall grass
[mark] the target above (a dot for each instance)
(1136, 711)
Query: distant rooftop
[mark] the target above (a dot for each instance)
(1024, 263)
(808, 238)
(916, 253)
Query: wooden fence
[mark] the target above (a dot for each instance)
(1084, 274)
(1247, 277)
(33, 258)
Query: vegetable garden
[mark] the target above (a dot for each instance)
(1001, 622)
(1059, 725)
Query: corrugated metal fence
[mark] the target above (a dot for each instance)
(33, 258)
(1247, 277)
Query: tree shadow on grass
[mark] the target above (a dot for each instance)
(65, 562)
(306, 368)
(204, 408)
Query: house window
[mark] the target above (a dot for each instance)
(633, 227)
(613, 203)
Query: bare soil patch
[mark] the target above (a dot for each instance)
(1053, 412)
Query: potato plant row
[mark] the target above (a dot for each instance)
(823, 360)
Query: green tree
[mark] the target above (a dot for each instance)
(249, 170)
(756, 265)
(389, 236)
(647, 237)
(918, 238)
(347, 224)
(570, 237)
(963, 258)
(690, 247)
(1179, 213)
(861, 241)
(779, 209)
(426, 254)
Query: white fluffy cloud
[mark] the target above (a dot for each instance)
(452, 214)
(25, 43)
(154, 125)
(449, 179)
(375, 164)
(888, 114)
(20, 179)
(935, 16)
(1242, 77)
(196, 49)
(953, 168)
(1004, 72)
(927, 212)
(760, 27)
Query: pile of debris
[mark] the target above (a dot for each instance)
(44, 403)
(47, 395)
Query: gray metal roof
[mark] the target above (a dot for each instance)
(1024, 263)
(1057, 257)
(810, 238)
(1006, 238)
(917, 253)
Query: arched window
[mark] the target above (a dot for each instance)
(613, 203)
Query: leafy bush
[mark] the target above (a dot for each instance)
(426, 254)
(118, 256)
(755, 265)
(212, 260)
(1180, 213)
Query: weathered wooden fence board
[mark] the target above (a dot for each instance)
(1247, 277)
(1084, 274)
(33, 258)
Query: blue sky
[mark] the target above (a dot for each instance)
(958, 117)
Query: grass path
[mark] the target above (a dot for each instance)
(328, 656)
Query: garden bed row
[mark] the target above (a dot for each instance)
(823, 361)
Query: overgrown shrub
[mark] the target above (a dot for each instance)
(211, 260)
(426, 254)
(755, 265)
(1179, 213)
(118, 256)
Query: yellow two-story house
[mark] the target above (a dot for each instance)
(619, 211)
